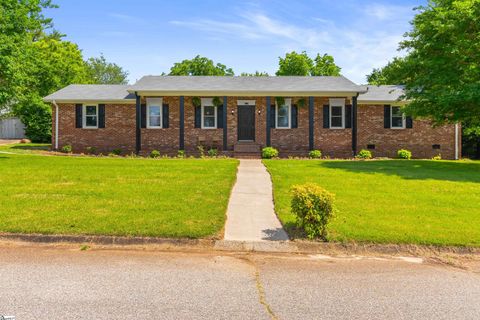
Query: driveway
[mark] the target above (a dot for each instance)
(8, 141)
(66, 283)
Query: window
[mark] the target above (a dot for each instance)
(283, 114)
(154, 113)
(209, 114)
(90, 116)
(397, 118)
(337, 111)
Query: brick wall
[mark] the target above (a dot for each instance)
(119, 131)
(419, 139)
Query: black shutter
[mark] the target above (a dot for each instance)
(78, 116)
(143, 111)
(272, 116)
(294, 114)
(386, 116)
(165, 116)
(326, 116)
(348, 116)
(220, 116)
(101, 116)
(409, 122)
(198, 117)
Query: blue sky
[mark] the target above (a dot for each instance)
(147, 36)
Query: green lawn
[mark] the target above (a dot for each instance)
(114, 196)
(390, 201)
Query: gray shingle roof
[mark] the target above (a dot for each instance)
(91, 92)
(384, 93)
(245, 84)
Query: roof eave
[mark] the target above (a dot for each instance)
(83, 100)
(245, 93)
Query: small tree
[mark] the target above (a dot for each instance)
(313, 207)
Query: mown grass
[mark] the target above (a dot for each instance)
(114, 196)
(390, 201)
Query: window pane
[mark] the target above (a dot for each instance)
(282, 111)
(397, 122)
(209, 111)
(336, 121)
(154, 121)
(209, 122)
(396, 111)
(154, 111)
(91, 121)
(282, 122)
(91, 110)
(336, 111)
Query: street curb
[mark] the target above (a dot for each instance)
(295, 246)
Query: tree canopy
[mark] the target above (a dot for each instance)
(200, 66)
(392, 73)
(102, 72)
(255, 74)
(300, 64)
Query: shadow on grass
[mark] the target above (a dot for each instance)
(413, 169)
(30, 147)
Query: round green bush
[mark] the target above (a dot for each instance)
(154, 154)
(269, 153)
(212, 152)
(315, 154)
(313, 207)
(404, 154)
(67, 148)
(364, 154)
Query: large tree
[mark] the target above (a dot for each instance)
(443, 71)
(300, 64)
(393, 73)
(101, 71)
(200, 66)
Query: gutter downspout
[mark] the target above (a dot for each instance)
(456, 141)
(56, 124)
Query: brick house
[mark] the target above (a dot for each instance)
(240, 115)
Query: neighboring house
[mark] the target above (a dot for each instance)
(240, 115)
(11, 128)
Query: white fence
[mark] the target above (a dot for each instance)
(12, 128)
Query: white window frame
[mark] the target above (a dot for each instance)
(404, 119)
(154, 102)
(208, 102)
(337, 103)
(84, 115)
(288, 103)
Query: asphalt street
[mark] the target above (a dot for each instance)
(42, 282)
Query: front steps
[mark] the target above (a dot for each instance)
(247, 150)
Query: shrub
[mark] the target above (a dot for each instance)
(36, 115)
(437, 157)
(201, 151)
(313, 207)
(315, 154)
(212, 152)
(91, 150)
(116, 152)
(154, 154)
(269, 153)
(67, 149)
(404, 154)
(181, 154)
(364, 154)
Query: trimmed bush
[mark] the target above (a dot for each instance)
(364, 154)
(437, 157)
(313, 207)
(269, 153)
(67, 149)
(315, 154)
(116, 152)
(181, 154)
(404, 154)
(212, 152)
(91, 150)
(154, 154)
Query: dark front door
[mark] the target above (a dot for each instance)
(246, 123)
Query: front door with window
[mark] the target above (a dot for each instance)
(246, 123)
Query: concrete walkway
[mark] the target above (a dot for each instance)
(250, 213)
